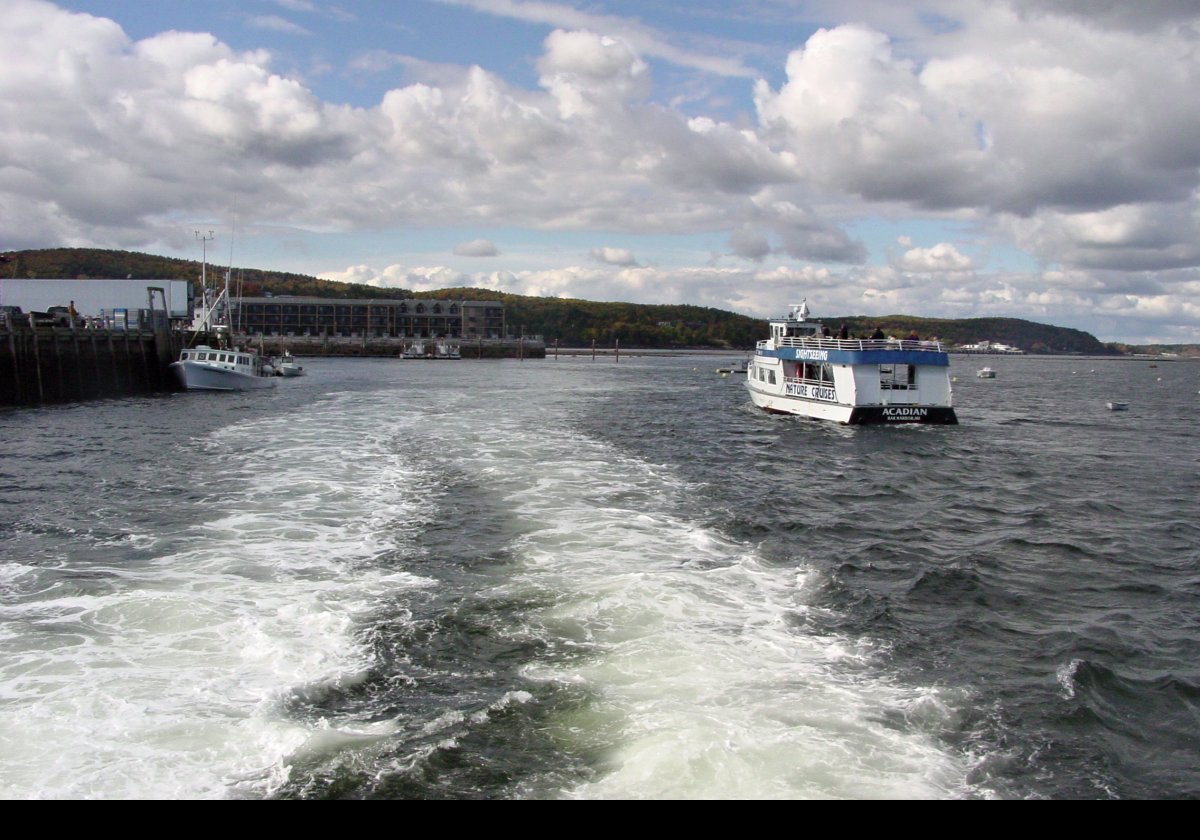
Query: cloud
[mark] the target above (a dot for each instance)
(1075, 138)
(942, 257)
(476, 248)
(275, 23)
(1044, 113)
(613, 256)
(587, 73)
(750, 244)
(296, 5)
(646, 40)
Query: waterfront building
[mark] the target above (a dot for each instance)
(372, 318)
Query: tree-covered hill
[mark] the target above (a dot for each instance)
(580, 322)
(87, 263)
(571, 322)
(1027, 335)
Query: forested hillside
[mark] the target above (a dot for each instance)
(571, 322)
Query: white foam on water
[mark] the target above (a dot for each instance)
(172, 682)
(704, 686)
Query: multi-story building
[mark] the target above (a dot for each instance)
(382, 318)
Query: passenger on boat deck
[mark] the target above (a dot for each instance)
(878, 333)
(825, 332)
(844, 332)
(912, 336)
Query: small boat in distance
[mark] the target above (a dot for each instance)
(801, 370)
(986, 373)
(288, 366)
(1118, 406)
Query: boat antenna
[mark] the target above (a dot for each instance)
(228, 277)
(204, 240)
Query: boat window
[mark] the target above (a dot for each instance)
(771, 377)
(897, 377)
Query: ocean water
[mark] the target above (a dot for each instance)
(576, 579)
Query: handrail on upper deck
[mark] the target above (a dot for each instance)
(855, 344)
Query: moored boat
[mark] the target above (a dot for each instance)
(800, 370)
(289, 367)
(207, 368)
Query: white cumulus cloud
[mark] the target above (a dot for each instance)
(613, 256)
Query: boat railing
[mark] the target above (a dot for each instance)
(853, 344)
(800, 380)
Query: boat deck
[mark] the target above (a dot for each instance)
(852, 344)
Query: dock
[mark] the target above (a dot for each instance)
(53, 364)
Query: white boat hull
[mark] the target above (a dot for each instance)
(800, 371)
(853, 415)
(199, 376)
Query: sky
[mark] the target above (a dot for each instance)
(1033, 159)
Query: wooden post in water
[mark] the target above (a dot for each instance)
(76, 345)
(95, 362)
(12, 349)
(617, 350)
(60, 385)
(37, 358)
(593, 349)
(151, 380)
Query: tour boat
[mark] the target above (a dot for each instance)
(800, 370)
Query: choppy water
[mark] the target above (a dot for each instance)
(571, 579)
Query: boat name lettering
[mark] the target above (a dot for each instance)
(905, 412)
(813, 392)
(813, 355)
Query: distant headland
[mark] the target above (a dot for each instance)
(573, 322)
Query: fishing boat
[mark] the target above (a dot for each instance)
(224, 368)
(207, 368)
(800, 370)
